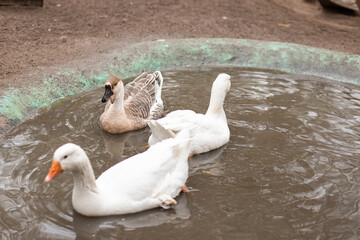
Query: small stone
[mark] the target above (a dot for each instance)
(63, 38)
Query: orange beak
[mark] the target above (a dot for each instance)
(54, 170)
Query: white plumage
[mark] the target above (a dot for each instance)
(147, 180)
(208, 131)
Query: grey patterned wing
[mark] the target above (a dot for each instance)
(143, 81)
(138, 106)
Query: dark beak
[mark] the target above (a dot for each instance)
(107, 94)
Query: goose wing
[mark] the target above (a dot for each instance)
(180, 119)
(143, 175)
(139, 95)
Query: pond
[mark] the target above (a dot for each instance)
(290, 170)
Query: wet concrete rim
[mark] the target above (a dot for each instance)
(44, 86)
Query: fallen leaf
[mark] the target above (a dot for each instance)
(284, 25)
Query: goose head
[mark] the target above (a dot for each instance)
(112, 86)
(219, 89)
(222, 83)
(67, 157)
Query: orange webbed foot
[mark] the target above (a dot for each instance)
(184, 189)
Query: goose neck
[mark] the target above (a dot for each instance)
(84, 178)
(216, 103)
(118, 98)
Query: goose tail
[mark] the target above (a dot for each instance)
(157, 109)
(158, 132)
(158, 86)
(182, 149)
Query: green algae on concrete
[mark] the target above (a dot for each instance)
(41, 88)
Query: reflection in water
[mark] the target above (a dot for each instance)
(290, 170)
(93, 227)
(207, 163)
(121, 145)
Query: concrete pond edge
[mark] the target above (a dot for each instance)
(45, 86)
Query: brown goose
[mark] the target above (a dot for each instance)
(131, 106)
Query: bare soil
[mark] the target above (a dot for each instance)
(64, 30)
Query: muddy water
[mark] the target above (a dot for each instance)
(290, 170)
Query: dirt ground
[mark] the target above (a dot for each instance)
(63, 30)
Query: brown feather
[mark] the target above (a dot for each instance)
(139, 96)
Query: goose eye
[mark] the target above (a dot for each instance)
(65, 156)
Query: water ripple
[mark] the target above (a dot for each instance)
(290, 170)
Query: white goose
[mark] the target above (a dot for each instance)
(130, 106)
(209, 131)
(148, 180)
